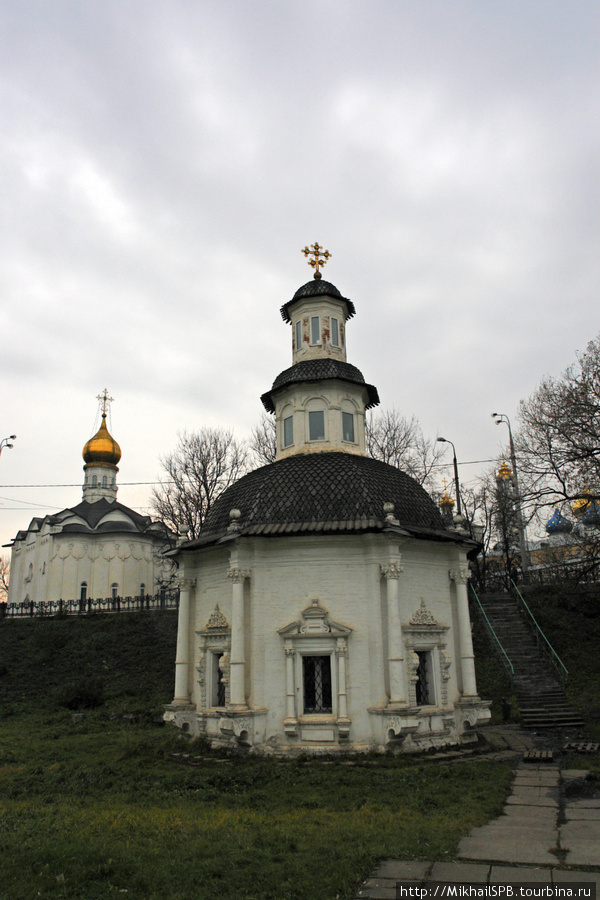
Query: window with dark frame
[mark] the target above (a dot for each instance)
(315, 330)
(335, 333)
(348, 427)
(218, 685)
(316, 425)
(316, 684)
(288, 431)
(423, 686)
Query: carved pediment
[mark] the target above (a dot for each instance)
(216, 619)
(315, 621)
(422, 616)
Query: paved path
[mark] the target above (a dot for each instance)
(534, 839)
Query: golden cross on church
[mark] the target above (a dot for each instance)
(320, 258)
(104, 399)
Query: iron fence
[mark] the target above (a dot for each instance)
(29, 609)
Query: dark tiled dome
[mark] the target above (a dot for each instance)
(317, 288)
(322, 492)
(319, 370)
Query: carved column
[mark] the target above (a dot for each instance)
(341, 651)
(392, 572)
(238, 661)
(460, 576)
(182, 659)
(290, 684)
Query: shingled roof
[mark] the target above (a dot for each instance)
(317, 288)
(321, 369)
(323, 492)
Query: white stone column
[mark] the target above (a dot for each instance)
(238, 661)
(341, 651)
(290, 683)
(182, 662)
(460, 576)
(392, 572)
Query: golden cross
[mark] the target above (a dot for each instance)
(104, 399)
(320, 258)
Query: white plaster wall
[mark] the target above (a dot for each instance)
(343, 572)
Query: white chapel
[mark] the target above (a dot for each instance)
(95, 549)
(324, 605)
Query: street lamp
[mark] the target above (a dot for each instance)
(6, 442)
(498, 418)
(444, 440)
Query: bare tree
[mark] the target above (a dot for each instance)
(399, 441)
(4, 577)
(263, 441)
(201, 467)
(559, 439)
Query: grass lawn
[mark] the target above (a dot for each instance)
(104, 809)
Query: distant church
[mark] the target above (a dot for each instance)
(324, 604)
(96, 549)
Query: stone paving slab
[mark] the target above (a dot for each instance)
(535, 781)
(582, 813)
(523, 873)
(402, 870)
(575, 831)
(456, 872)
(583, 804)
(518, 847)
(534, 797)
(586, 853)
(541, 813)
(517, 828)
(559, 876)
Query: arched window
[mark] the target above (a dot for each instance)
(104, 481)
(114, 590)
(142, 590)
(94, 481)
(83, 591)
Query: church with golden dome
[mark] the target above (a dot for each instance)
(98, 548)
(323, 606)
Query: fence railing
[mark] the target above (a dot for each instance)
(31, 609)
(503, 654)
(541, 640)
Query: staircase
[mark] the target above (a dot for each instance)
(542, 701)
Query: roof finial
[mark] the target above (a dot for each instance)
(320, 258)
(104, 399)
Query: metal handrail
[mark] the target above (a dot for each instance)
(554, 657)
(511, 670)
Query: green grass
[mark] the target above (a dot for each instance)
(105, 809)
(101, 809)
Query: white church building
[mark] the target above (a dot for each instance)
(324, 605)
(95, 549)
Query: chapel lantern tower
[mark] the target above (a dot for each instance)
(320, 402)
(101, 455)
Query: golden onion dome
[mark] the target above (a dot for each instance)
(504, 472)
(102, 449)
(580, 506)
(446, 500)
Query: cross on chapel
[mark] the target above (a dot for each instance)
(319, 258)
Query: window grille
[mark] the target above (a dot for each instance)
(316, 678)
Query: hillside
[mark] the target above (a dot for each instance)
(125, 662)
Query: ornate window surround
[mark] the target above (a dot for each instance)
(425, 633)
(316, 635)
(215, 639)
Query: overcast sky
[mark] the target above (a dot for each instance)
(163, 164)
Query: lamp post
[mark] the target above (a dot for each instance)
(6, 442)
(498, 418)
(444, 440)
